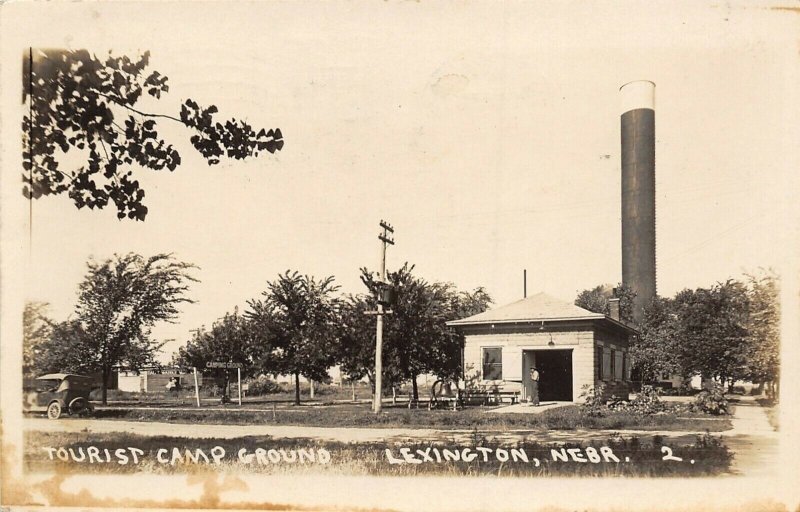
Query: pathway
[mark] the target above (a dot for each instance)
(752, 440)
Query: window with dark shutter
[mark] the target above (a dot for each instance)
(613, 374)
(598, 362)
(492, 363)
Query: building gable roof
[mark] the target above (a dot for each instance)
(539, 307)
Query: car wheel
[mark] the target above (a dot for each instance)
(77, 406)
(54, 411)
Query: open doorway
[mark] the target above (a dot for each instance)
(555, 373)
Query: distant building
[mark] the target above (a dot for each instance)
(570, 346)
(155, 379)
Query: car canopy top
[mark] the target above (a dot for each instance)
(70, 378)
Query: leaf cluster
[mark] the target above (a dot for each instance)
(596, 300)
(82, 108)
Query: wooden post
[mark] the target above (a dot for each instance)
(239, 377)
(353, 386)
(378, 399)
(196, 387)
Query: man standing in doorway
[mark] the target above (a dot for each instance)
(534, 401)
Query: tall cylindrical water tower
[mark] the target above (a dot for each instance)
(639, 191)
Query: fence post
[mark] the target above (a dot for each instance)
(239, 377)
(196, 387)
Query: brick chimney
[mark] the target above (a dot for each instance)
(613, 308)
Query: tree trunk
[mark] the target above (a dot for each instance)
(414, 390)
(311, 389)
(296, 389)
(106, 376)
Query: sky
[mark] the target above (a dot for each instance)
(487, 134)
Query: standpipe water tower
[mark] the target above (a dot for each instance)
(639, 191)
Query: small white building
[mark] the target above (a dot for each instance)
(149, 380)
(571, 347)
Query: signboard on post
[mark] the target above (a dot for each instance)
(217, 364)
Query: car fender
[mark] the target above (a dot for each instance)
(78, 404)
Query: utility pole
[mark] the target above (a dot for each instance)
(385, 239)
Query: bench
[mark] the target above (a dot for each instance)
(491, 397)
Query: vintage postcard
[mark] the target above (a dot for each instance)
(454, 255)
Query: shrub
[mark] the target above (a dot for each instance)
(214, 390)
(711, 402)
(647, 401)
(594, 404)
(262, 385)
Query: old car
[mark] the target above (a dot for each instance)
(58, 394)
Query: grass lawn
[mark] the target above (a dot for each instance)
(360, 415)
(631, 457)
(771, 408)
(186, 395)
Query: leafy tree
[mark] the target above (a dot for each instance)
(64, 349)
(119, 301)
(712, 330)
(231, 339)
(36, 330)
(655, 350)
(763, 326)
(89, 107)
(355, 332)
(596, 300)
(300, 313)
(416, 337)
(411, 328)
(463, 304)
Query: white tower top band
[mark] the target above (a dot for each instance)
(638, 94)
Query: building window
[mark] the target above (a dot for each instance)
(626, 366)
(606, 365)
(612, 373)
(598, 362)
(618, 365)
(493, 363)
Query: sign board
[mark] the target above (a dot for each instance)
(216, 364)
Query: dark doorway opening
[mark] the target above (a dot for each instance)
(555, 374)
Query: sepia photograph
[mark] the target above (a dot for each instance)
(399, 255)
